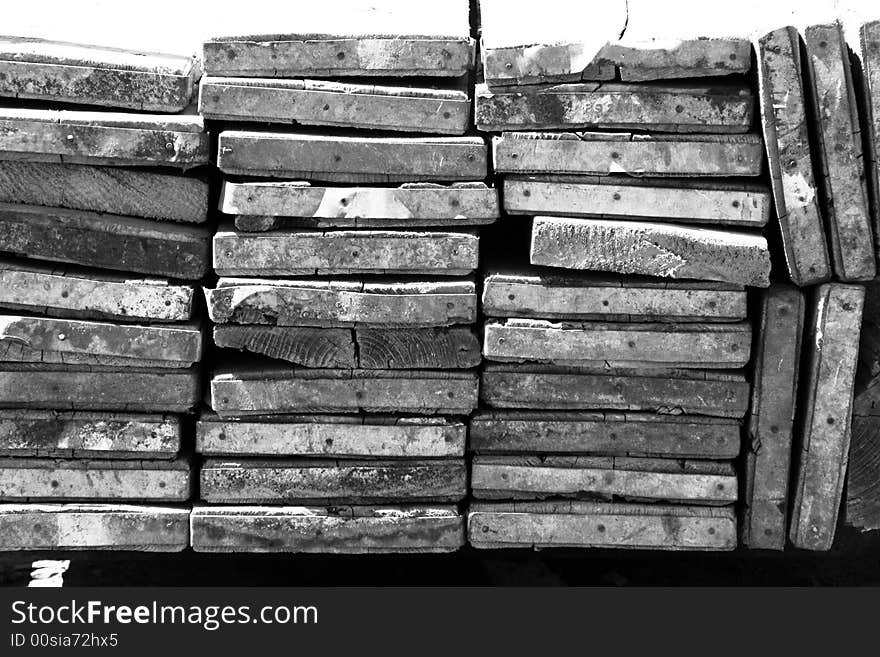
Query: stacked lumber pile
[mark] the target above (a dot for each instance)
(99, 338)
(347, 281)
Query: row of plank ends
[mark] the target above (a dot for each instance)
(352, 159)
(585, 106)
(344, 436)
(342, 303)
(826, 413)
(455, 347)
(60, 291)
(287, 481)
(623, 198)
(93, 527)
(324, 103)
(604, 153)
(98, 388)
(540, 294)
(605, 433)
(651, 249)
(26, 433)
(131, 192)
(105, 241)
(604, 478)
(612, 344)
(337, 529)
(27, 479)
(771, 418)
(105, 138)
(345, 252)
(591, 524)
(716, 393)
(787, 140)
(262, 206)
(90, 75)
(291, 390)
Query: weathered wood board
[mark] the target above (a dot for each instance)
(94, 527)
(80, 479)
(69, 292)
(651, 249)
(346, 436)
(771, 418)
(590, 524)
(606, 433)
(599, 344)
(616, 197)
(839, 153)
(588, 105)
(352, 159)
(88, 435)
(337, 529)
(108, 138)
(869, 93)
(47, 339)
(136, 193)
(826, 414)
(340, 252)
(90, 75)
(262, 206)
(603, 153)
(536, 293)
(105, 241)
(341, 303)
(718, 393)
(787, 140)
(292, 390)
(64, 387)
(416, 348)
(249, 481)
(336, 104)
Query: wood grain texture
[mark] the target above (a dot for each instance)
(868, 92)
(300, 345)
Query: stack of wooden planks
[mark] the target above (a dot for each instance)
(100, 341)
(346, 278)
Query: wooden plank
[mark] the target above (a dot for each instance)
(105, 241)
(338, 529)
(839, 153)
(651, 249)
(90, 75)
(783, 117)
(352, 436)
(600, 344)
(536, 293)
(826, 414)
(603, 153)
(771, 418)
(603, 477)
(290, 390)
(608, 433)
(94, 527)
(590, 524)
(68, 292)
(277, 481)
(88, 435)
(588, 105)
(716, 393)
(419, 348)
(80, 479)
(351, 159)
(325, 103)
(266, 206)
(311, 253)
(61, 387)
(340, 303)
(868, 59)
(109, 138)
